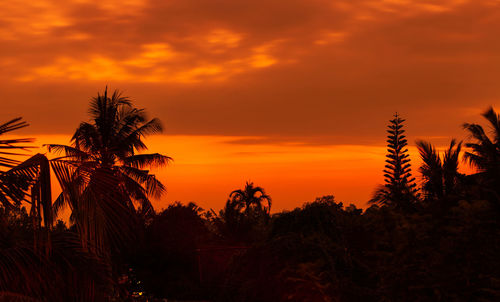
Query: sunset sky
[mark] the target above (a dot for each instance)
(294, 95)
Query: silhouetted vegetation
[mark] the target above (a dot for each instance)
(245, 217)
(400, 188)
(440, 175)
(439, 241)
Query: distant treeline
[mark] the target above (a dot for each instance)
(432, 236)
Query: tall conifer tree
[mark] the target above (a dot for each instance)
(400, 188)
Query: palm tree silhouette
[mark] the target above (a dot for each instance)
(441, 177)
(250, 198)
(484, 152)
(245, 213)
(104, 179)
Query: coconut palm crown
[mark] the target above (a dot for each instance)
(112, 140)
(484, 152)
(249, 198)
(440, 174)
(104, 178)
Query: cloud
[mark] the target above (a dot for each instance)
(301, 71)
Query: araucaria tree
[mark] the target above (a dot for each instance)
(400, 188)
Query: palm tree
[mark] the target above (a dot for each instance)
(440, 176)
(250, 198)
(104, 178)
(451, 176)
(245, 214)
(484, 152)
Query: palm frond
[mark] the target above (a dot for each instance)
(477, 132)
(12, 144)
(153, 186)
(147, 160)
(484, 153)
(87, 138)
(134, 138)
(68, 151)
(494, 119)
(381, 196)
(14, 124)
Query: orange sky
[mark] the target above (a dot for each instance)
(294, 95)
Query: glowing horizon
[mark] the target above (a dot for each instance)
(205, 169)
